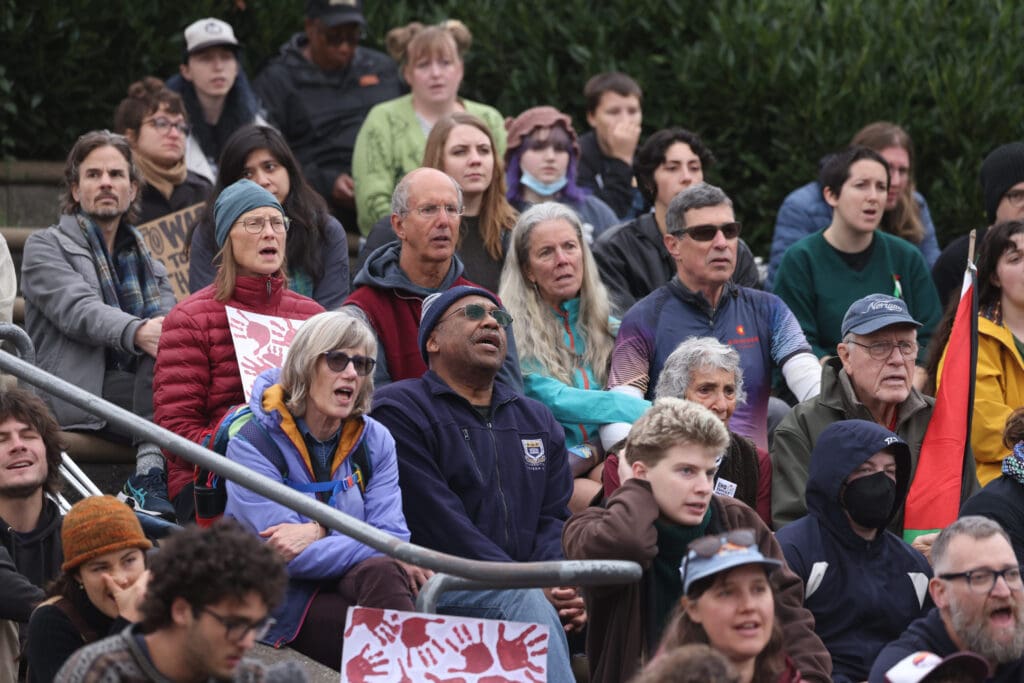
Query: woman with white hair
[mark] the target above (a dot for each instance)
(564, 335)
(313, 412)
(706, 371)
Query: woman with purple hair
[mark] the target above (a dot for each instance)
(541, 162)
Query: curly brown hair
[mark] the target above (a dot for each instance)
(205, 566)
(25, 406)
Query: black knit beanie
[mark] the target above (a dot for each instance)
(1002, 169)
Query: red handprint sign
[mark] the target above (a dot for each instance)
(387, 645)
(261, 342)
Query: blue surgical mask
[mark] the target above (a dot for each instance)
(542, 188)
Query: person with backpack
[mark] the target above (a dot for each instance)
(308, 429)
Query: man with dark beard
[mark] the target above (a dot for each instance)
(30, 547)
(979, 600)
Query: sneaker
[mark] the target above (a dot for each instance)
(147, 494)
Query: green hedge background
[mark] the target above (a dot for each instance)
(771, 85)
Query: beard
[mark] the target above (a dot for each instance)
(21, 491)
(974, 632)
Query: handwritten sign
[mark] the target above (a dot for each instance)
(165, 239)
(261, 342)
(388, 645)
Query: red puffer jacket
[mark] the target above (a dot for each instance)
(196, 378)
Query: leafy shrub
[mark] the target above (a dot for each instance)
(772, 85)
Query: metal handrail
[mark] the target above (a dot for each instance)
(505, 574)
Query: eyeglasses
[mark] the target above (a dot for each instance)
(433, 210)
(236, 628)
(337, 361)
(984, 580)
(477, 312)
(882, 350)
(340, 35)
(707, 547)
(163, 126)
(254, 225)
(706, 233)
(1016, 198)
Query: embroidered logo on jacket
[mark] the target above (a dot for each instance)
(533, 453)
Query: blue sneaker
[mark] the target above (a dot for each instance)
(147, 494)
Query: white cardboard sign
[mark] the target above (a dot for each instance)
(407, 647)
(261, 342)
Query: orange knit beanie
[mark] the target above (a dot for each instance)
(97, 525)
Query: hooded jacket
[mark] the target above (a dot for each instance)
(196, 378)
(863, 594)
(319, 112)
(793, 439)
(332, 556)
(393, 303)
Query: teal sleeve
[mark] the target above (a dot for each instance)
(587, 406)
(923, 302)
(794, 284)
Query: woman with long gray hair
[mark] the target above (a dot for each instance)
(564, 335)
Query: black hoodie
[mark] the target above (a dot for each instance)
(37, 554)
(863, 594)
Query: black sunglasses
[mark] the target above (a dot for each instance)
(337, 361)
(477, 312)
(706, 233)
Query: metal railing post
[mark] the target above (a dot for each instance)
(486, 574)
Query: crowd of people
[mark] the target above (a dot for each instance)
(549, 346)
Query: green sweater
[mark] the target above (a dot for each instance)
(391, 143)
(818, 286)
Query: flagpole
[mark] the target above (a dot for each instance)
(970, 245)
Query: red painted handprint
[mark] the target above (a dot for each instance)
(514, 653)
(434, 679)
(529, 678)
(373, 620)
(478, 657)
(416, 639)
(364, 665)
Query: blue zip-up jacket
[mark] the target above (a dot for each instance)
(330, 557)
(484, 488)
(583, 406)
(863, 594)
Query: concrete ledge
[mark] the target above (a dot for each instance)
(32, 172)
(89, 448)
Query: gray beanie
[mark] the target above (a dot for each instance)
(234, 200)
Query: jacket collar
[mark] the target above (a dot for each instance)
(258, 291)
(837, 394)
(500, 395)
(730, 291)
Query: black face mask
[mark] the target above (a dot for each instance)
(869, 500)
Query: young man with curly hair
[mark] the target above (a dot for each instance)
(208, 601)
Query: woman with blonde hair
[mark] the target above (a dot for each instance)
(462, 146)
(564, 335)
(391, 140)
(313, 413)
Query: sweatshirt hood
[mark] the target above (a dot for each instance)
(843, 447)
(382, 270)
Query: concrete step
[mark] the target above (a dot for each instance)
(30, 192)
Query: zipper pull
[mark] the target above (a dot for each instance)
(268, 286)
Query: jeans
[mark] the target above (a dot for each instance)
(526, 604)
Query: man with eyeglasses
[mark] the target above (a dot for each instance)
(703, 301)
(483, 469)
(864, 585)
(1002, 188)
(318, 91)
(426, 211)
(979, 602)
(870, 378)
(207, 603)
(95, 301)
